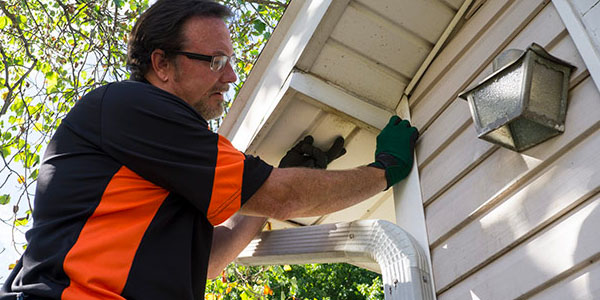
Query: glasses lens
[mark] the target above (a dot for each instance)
(219, 62)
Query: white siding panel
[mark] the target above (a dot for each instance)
(502, 224)
(583, 6)
(359, 75)
(558, 188)
(426, 18)
(543, 30)
(455, 4)
(466, 159)
(452, 121)
(582, 285)
(570, 241)
(477, 57)
(382, 41)
(591, 20)
(457, 46)
(463, 153)
(504, 168)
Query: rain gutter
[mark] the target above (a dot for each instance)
(402, 262)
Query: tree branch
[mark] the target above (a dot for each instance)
(271, 4)
(8, 99)
(13, 19)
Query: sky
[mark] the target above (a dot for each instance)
(9, 251)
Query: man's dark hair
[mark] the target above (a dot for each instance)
(160, 27)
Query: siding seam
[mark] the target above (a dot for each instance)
(513, 185)
(558, 278)
(537, 229)
(548, 222)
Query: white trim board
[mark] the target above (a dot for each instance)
(339, 99)
(580, 35)
(258, 98)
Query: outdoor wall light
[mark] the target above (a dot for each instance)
(524, 102)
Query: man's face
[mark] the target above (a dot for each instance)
(193, 80)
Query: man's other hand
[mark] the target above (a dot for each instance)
(305, 154)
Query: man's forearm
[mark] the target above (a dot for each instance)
(301, 192)
(230, 238)
(288, 193)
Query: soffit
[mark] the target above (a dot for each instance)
(347, 80)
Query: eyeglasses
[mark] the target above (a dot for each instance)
(217, 63)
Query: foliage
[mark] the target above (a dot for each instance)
(313, 281)
(53, 52)
(252, 25)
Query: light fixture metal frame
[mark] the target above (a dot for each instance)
(505, 122)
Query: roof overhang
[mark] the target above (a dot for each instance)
(338, 68)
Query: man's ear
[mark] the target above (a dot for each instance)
(160, 64)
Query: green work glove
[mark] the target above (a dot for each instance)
(304, 154)
(395, 150)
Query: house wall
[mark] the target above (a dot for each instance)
(502, 224)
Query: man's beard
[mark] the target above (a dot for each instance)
(203, 106)
(209, 112)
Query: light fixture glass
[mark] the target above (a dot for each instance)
(524, 102)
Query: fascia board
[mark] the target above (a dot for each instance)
(258, 97)
(581, 38)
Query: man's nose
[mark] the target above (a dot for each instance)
(228, 75)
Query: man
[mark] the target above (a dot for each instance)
(134, 188)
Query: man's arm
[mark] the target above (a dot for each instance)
(297, 192)
(301, 192)
(230, 238)
(289, 193)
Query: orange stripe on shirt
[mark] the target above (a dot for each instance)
(227, 185)
(100, 260)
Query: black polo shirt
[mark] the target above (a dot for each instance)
(131, 186)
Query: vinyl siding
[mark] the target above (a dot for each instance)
(502, 224)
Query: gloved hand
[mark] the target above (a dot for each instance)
(395, 150)
(304, 154)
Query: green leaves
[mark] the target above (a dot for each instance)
(4, 21)
(312, 281)
(4, 151)
(119, 3)
(260, 27)
(4, 199)
(53, 54)
(22, 221)
(51, 80)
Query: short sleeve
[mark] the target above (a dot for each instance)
(237, 177)
(164, 140)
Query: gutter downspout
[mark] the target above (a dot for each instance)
(402, 262)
